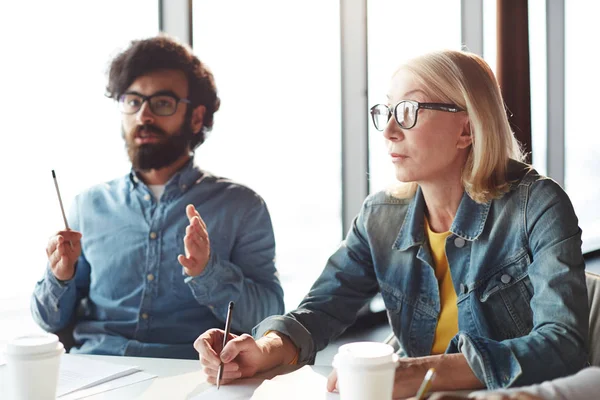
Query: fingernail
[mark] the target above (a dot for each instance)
(225, 357)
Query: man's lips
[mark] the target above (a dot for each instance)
(146, 139)
(146, 136)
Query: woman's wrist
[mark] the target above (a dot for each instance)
(279, 349)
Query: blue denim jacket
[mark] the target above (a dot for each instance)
(136, 299)
(517, 269)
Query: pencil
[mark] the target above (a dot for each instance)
(62, 209)
(227, 329)
(426, 384)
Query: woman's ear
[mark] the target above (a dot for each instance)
(466, 138)
(197, 119)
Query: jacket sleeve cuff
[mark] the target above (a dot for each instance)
(56, 288)
(294, 330)
(498, 371)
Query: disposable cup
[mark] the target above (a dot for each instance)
(365, 370)
(33, 363)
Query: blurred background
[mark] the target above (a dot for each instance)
(296, 79)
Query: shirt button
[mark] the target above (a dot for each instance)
(147, 197)
(144, 316)
(505, 278)
(464, 288)
(183, 187)
(150, 277)
(459, 242)
(153, 235)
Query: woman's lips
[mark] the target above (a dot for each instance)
(396, 157)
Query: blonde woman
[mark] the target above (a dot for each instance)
(477, 257)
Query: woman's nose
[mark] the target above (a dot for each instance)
(392, 131)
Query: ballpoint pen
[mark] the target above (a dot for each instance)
(426, 384)
(62, 209)
(227, 329)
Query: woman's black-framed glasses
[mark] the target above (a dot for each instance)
(161, 104)
(406, 112)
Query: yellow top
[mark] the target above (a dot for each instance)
(447, 326)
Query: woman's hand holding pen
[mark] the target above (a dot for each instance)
(63, 250)
(196, 243)
(242, 355)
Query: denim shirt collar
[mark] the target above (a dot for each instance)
(183, 179)
(468, 223)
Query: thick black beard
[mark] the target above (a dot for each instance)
(156, 156)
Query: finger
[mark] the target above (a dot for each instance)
(53, 241)
(185, 262)
(235, 346)
(230, 371)
(191, 213)
(213, 380)
(192, 232)
(194, 246)
(205, 346)
(197, 231)
(200, 221)
(73, 236)
(332, 381)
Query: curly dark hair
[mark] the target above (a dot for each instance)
(162, 52)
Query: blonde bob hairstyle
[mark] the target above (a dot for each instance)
(466, 80)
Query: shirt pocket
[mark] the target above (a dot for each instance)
(392, 298)
(505, 298)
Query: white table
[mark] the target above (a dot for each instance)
(176, 379)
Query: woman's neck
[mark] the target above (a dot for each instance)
(442, 200)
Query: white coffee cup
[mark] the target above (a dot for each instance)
(365, 370)
(33, 363)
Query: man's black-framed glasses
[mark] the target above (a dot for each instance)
(406, 112)
(161, 104)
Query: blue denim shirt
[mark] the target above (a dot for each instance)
(517, 269)
(136, 299)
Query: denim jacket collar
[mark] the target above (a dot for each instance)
(468, 223)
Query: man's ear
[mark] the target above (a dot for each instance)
(197, 119)
(465, 139)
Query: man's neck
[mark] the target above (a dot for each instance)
(161, 176)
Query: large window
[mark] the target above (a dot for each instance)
(582, 136)
(397, 31)
(278, 129)
(55, 117)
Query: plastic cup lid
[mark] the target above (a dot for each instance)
(33, 344)
(365, 353)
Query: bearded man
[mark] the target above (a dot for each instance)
(153, 258)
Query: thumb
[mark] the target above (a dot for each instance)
(235, 347)
(332, 382)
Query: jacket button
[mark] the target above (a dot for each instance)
(459, 242)
(505, 278)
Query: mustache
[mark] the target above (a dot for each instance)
(149, 128)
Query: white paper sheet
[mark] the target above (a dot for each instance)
(110, 385)
(82, 372)
(301, 384)
(237, 390)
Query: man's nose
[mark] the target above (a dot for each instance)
(144, 114)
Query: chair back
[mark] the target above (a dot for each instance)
(592, 281)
